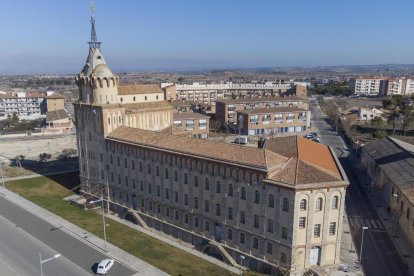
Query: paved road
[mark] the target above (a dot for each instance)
(379, 256)
(23, 236)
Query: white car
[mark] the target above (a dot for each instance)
(310, 135)
(104, 266)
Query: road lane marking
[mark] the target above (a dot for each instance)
(9, 267)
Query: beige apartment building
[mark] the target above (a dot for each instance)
(276, 209)
(274, 121)
(368, 86)
(195, 124)
(226, 110)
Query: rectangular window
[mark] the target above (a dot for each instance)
(157, 171)
(286, 205)
(141, 184)
(269, 249)
(207, 206)
(207, 226)
(332, 228)
(242, 238)
(242, 217)
(176, 196)
(218, 187)
(270, 225)
(207, 185)
(133, 164)
(167, 195)
(302, 222)
(284, 233)
(158, 191)
(218, 210)
(126, 181)
(271, 203)
(317, 230)
(149, 188)
(230, 213)
(229, 234)
(255, 243)
(133, 184)
(256, 221)
(186, 200)
(196, 203)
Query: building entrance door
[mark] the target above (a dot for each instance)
(134, 202)
(218, 232)
(315, 255)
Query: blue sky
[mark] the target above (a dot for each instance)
(51, 35)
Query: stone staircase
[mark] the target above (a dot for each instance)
(138, 218)
(226, 254)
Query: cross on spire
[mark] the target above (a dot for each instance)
(94, 39)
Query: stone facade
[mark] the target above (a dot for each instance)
(226, 199)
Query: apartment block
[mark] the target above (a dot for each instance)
(226, 110)
(25, 105)
(209, 93)
(368, 86)
(274, 121)
(195, 124)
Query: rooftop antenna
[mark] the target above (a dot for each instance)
(94, 40)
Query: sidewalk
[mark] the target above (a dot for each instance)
(142, 268)
(402, 244)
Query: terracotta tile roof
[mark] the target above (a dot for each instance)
(56, 115)
(309, 162)
(189, 115)
(272, 110)
(132, 89)
(239, 155)
(7, 96)
(297, 171)
(175, 131)
(147, 106)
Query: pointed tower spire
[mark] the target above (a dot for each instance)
(94, 39)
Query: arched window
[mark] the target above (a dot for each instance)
(257, 197)
(207, 184)
(271, 202)
(230, 191)
(335, 201)
(109, 121)
(243, 193)
(285, 204)
(303, 204)
(319, 204)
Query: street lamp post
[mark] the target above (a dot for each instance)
(362, 243)
(44, 261)
(103, 218)
(2, 180)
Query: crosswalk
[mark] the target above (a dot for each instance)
(373, 224)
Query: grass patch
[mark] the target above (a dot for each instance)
(48, 193)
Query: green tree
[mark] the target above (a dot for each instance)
(67, 153)
(380, 133)
(378, 122)
(43, 157)
(407, 117)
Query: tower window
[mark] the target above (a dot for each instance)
(146, 97)
(122, 99)
(134, 99)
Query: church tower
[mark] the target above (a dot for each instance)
(97, 84)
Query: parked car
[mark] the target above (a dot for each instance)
(241, 140)
(104, 266)
(310, 136)
(316, 139)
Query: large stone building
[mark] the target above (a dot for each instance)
(389, 163)
(274, 209)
